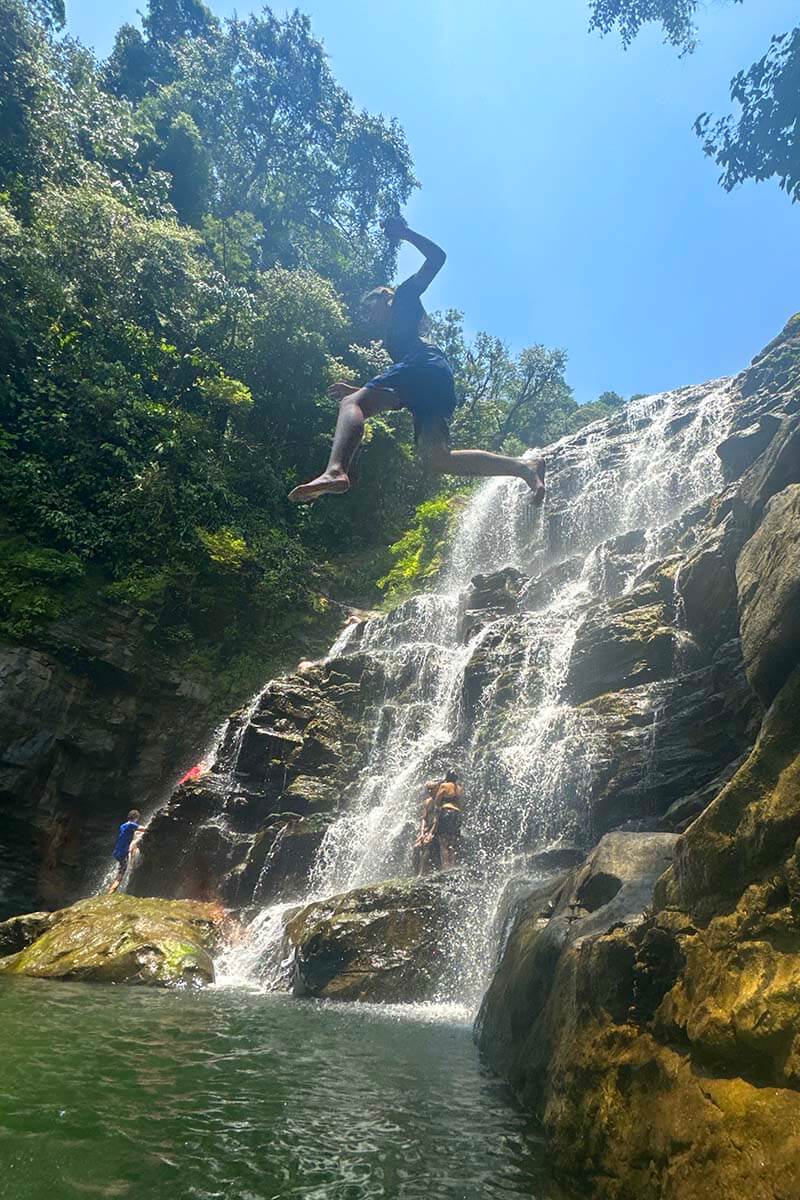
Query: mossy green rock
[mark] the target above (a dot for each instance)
(379, 944)
(124, 939)
(663, 1056)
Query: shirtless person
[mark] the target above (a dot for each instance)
(420, 380)
(424, 847)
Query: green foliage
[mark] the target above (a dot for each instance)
(36, 583)
(418, 553)
(163, 376)
(510, 402)
(676, 17)
(182, 229)
(763, 141)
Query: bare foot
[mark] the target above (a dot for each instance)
(536, 480)
(323, 485)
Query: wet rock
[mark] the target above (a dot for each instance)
(285, 869)
(378, 944)
(541, 590)
(768, 579)
(619, 645)
(534, 986)
(681, 1029)
(499, 592)
(706, 583)
(122, 939)
(18, 932)
(655, 744)
(682, 812)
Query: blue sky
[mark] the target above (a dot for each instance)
(563, 178)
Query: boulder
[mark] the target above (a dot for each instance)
(520, 1022)
(124, 939)
(768, 581)
(19, 932)
(378, 944)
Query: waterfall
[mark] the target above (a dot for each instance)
(616, 492)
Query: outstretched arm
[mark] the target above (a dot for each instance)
(397, 229)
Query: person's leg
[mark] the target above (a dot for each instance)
(440, 458)
(121, 868)
(354, 410)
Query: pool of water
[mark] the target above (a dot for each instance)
(125, 1092)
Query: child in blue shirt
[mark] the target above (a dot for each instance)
(128, 830)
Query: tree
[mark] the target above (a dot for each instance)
(507, 402)
(676, 16)
(764, 141)
(169, 335)
(248, 116)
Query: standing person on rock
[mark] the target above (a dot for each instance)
(449, 818)
(420, 380)
(425, 851)
(128, 837)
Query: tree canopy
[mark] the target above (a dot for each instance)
(763, 140)
(628, 16)
(185, 230)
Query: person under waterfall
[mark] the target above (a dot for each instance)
(420, 380)
(425, 851)
(449, 819)
(129, 835)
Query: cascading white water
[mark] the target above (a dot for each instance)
(523, 773)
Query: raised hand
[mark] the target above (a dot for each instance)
(395, 228)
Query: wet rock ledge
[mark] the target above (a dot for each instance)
(116, 939)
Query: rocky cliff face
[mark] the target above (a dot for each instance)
(90, 727)
(596, 684)
(660, 1045)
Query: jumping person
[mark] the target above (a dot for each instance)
(420, 380)
(128, 830)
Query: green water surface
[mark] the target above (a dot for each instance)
(125, 1092)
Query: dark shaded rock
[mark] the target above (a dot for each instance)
(499, 592)
(768, 579)
(121, 939)
(18, 932)
(91, 726)
(188, 853)
(682, 812)
(742, 448)
(533, 988)
(654, 745)
(284, 873)
(706, 584)
(379, 944)
(777, 469)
